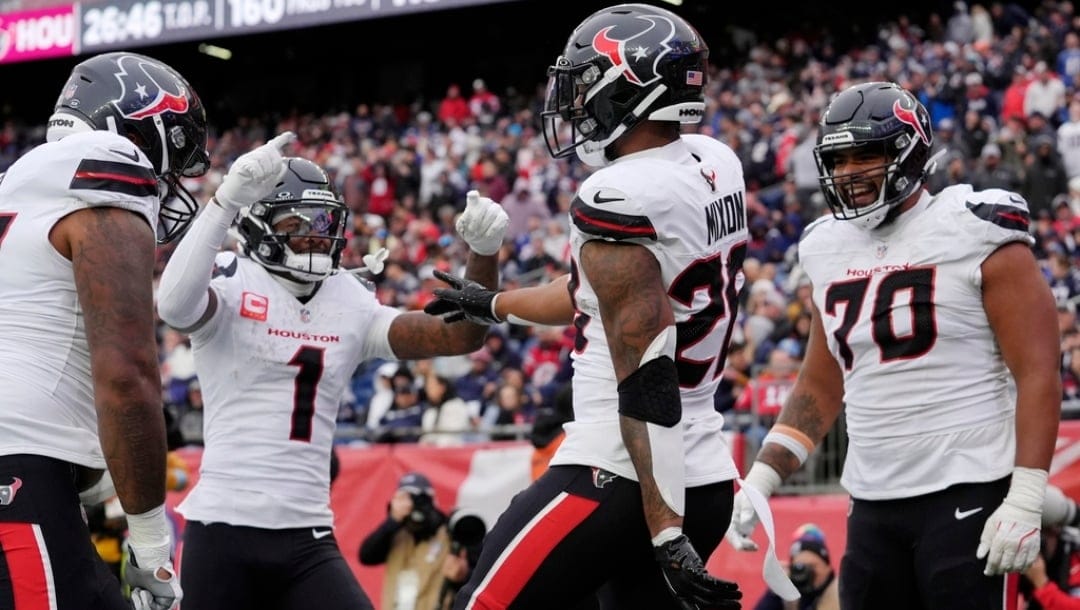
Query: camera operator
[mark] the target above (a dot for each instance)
(811, 572)
(1053, 581)
(413, 542)
(467, 530)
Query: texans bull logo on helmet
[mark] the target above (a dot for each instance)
(148, 90)
(907, 115)
(632, 53)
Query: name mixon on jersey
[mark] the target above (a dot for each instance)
(725, 215)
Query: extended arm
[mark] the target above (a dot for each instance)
(1021, 312)
(810, 411)
(548, 304)
(545, 305)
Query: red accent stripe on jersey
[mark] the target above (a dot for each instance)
(520, 560)
(27, 561)
(126, 178)
(1004, 216)
(109, 176)
(1012, 591)
(612, 225)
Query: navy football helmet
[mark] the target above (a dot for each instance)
(306, 198)
(152, 105)
(882, 119)
(623, 65)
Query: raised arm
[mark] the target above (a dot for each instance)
(417, 335)
(185, 300)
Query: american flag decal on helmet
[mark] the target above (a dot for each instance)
(695, 77)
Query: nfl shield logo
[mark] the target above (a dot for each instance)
(305, 315)
(882, 250)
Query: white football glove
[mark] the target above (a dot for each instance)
(374, 262)
(743, 516)
(1010, 537)
(1058, 509)
(483, 224)
(254, 175)
(149, 572)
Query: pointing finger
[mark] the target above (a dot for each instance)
(472, 198)
(282, 140)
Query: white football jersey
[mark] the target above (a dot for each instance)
(273, 372)
(44, 358)
(685, 202)
(927, 395)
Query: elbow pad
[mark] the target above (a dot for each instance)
(651, 393)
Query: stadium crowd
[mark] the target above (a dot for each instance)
(1002, 84)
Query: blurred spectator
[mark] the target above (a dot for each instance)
(412, 543)
(1045, 94)
(453, 109)
(478, 385)
(811, 571)
(402, 421)
(506, 410)
(483, 104)
(446, 419)
(382, 396)
(1068, 139)
(1053, 581)
(522, 205)
(547, 431)
(1044, 176)
(991, 173)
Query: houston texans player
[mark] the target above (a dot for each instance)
(658, 237)
(935, 330)
(78, 358)
(277, 334)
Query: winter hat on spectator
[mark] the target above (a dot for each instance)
(991, 150)
(809, 537)
(415, 484)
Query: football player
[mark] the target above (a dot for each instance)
(78, 358)
(642, 486)
(934, 328)
(277, 334)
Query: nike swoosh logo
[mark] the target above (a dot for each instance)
(323, 534)
(134, 155)
(961, 515)
(598, 199)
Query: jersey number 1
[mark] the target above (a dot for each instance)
(310, 361)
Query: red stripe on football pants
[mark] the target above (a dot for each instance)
(26, 562)
(520, 560)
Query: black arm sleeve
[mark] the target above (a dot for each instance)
(376, 547)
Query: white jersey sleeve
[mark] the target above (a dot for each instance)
(927, 394)
(685, 203)
(48, 389)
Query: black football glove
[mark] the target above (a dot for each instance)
(691, 585)
(464, 300)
